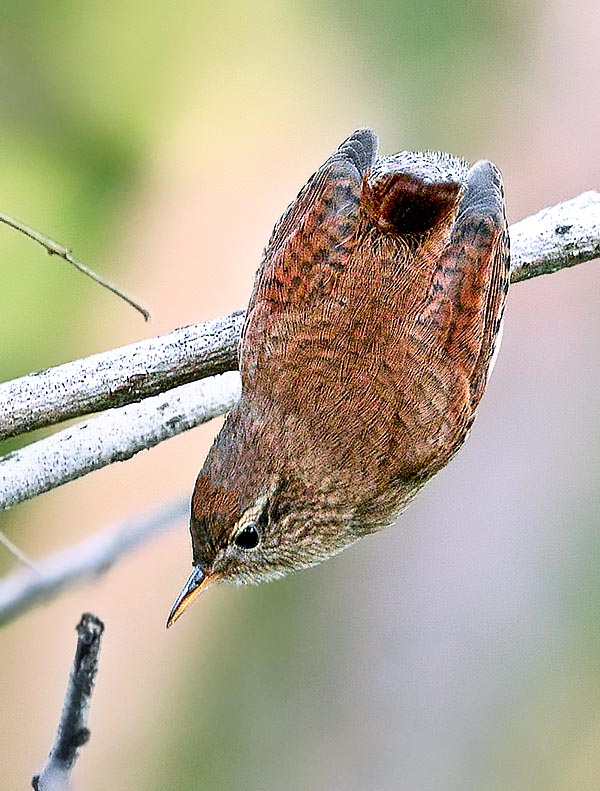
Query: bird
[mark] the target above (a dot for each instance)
(372, 329)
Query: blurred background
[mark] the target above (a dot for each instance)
(458, 650)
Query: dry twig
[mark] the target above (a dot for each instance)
(25, 588)
(54, 248)
(72, 732)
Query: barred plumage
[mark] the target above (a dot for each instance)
(366, 349)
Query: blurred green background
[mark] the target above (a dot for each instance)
(459, 650)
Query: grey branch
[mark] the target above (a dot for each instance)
(555, 238)
(558, 237)
(115, 435)
(25, 588)
(72, 732)
(119, 377)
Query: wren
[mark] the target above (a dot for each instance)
(368, 342)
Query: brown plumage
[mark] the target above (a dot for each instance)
(366, 349)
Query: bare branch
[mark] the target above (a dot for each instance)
(72, 732)
(54, 248)
(115, 435)
(90, 558)
(555, 238)
(121, 376)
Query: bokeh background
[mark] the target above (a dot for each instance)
(458, 650)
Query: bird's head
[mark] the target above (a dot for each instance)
(255, 517)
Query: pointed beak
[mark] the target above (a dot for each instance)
(198, 581)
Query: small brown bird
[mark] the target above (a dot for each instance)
(368, 342)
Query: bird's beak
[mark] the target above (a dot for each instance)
(198, 581)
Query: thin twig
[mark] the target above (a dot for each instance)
(17, 553)
(555, 238)
(23, 589)
(115, 435)
(72, 732)
(54, 248)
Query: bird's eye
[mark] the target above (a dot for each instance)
(248, 537)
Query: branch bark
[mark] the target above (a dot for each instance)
(25, 588)
(115, 435)
(555, 238)
(72, 732)
(120, 376)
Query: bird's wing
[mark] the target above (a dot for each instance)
(451, 341)
(463, 310)
(310, 242)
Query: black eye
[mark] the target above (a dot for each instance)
(248, 537)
